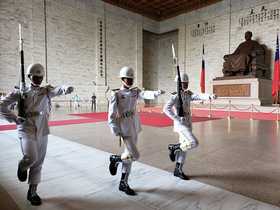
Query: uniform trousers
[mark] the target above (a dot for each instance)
(131, 153)
(187, 142)
(34, 152)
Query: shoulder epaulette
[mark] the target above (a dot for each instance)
(190, 92)
(48, 86)
(134, 88)
(174, 93)
(115, 89)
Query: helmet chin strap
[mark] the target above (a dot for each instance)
(128, 86)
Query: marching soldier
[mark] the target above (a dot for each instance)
(127, 125)
(183, 125)
(34, 129)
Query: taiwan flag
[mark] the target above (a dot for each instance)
(202, 79)
(276, 74)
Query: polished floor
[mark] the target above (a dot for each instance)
(236, 166)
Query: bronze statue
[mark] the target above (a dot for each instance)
(239, 60)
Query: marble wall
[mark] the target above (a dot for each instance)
(65, 37)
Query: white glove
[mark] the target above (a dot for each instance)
(160, 92)
(69, 89)
(116, 131)
(180, 119)
(213, 96)
(118, 134)
(20, 120)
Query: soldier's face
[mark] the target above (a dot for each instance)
(128, 81)
(185, 85)
(36, 80)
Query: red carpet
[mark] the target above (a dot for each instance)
(54, 123)
(150, 119)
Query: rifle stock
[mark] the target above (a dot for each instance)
(179, 85)
(21, 110)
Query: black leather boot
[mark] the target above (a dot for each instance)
(22, 175)
(179, 173)
(114, 162)
(32, 195)
(172, 151)
(124, 185)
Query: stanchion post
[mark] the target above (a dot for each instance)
(140, 106)
(191, 108)
(210, 109)
(278, 113)
(252, 112)
(229, 110)
(150, 107)
(162, 106)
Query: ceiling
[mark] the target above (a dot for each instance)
(161, 9)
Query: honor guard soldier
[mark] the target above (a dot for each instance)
(33, 130)
(127, 125)
(183, 125)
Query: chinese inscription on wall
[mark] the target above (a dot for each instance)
(200, 31)
(101, 64)
(259, 16)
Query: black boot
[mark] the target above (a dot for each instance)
(179, 173)
(32, 195)
(172, 149)
(22, 175)
(114, 162)
(124, 185)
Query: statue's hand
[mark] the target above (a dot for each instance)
(254, 53)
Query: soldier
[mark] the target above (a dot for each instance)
(34, 129)
(127, 125)
(183, 125)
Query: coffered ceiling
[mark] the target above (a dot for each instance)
(161, 9)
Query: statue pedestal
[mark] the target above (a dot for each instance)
(242, 91)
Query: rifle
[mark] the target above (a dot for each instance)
(21, 111)
(179, 85)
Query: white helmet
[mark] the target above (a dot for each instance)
(184, 78)
(35, 69)
(127, 72)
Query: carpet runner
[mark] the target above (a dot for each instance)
(149, 119)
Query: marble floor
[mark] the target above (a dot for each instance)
(236, 166)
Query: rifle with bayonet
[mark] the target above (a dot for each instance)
(179, 85)
(21, 111)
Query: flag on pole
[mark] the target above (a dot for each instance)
(276, 74)
(202, 79)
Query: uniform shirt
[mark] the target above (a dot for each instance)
(36, 101)
(187, 97)
(123, 102)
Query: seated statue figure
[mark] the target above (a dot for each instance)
(239, 60)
